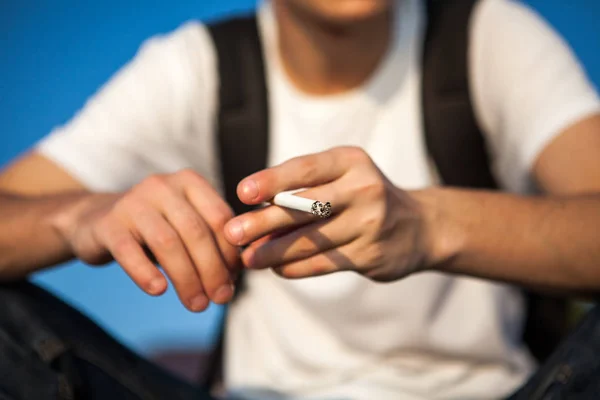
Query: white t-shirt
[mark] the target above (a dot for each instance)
(343, 337)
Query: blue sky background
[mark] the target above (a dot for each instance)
(55, 53)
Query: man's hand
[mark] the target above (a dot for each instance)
(376, 229)
(179, 218)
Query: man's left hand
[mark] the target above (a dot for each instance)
(376, 229)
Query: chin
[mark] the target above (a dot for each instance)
(342, 11)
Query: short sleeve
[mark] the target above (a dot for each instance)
(154, 116)
(528, 87)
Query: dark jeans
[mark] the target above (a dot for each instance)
(48, 350)
(573, 370)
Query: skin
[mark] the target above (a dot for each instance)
(385, 233)
(47, 216)
(179, 218)
(330, 47)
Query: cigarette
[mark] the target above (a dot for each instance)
(315, 207)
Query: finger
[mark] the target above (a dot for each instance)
(301, 172)
(128, 253)
(257, 224)
(333, 260)
(271, 236)
(253, 225)
(265, 239)
(200, 244)
(215, 212)
(169, 250)
(300, 244)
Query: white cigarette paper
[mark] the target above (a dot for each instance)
(315, 207)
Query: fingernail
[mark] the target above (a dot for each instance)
(199, 303)
(250, 189)
(236, 231)
(224, 293)
(156, 286)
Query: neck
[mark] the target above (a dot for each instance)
(321, 58)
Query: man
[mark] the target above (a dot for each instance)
(135, 169)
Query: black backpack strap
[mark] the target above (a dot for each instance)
(242, 122)
(242, 130)
(457, 145)
(452, 135)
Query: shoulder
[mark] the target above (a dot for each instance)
(179, 70)
(187, 51)
(142, 116)
(511, 40)
(527, 83)
(512, 22)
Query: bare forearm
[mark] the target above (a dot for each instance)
(543, 242)
(28, 238)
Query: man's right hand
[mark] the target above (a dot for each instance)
(178, 217)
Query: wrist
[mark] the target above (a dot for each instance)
(444, 232)
(66, 218)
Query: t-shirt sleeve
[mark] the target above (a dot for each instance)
(528, 87)
(153, 116)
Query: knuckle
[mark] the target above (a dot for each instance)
(308, 245)
(373, 220)
(192, 227)
(166, 239)
(119, 207)
(106, 226)
(356, 154)
(373, 189)
(375, 256)
(306, 249)
(220, 218)
(131, 204)
(103, 226)
(121, 245)
(227, 213)
(217, 223)
(308, 168)
(154, 182)
(188, 174)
